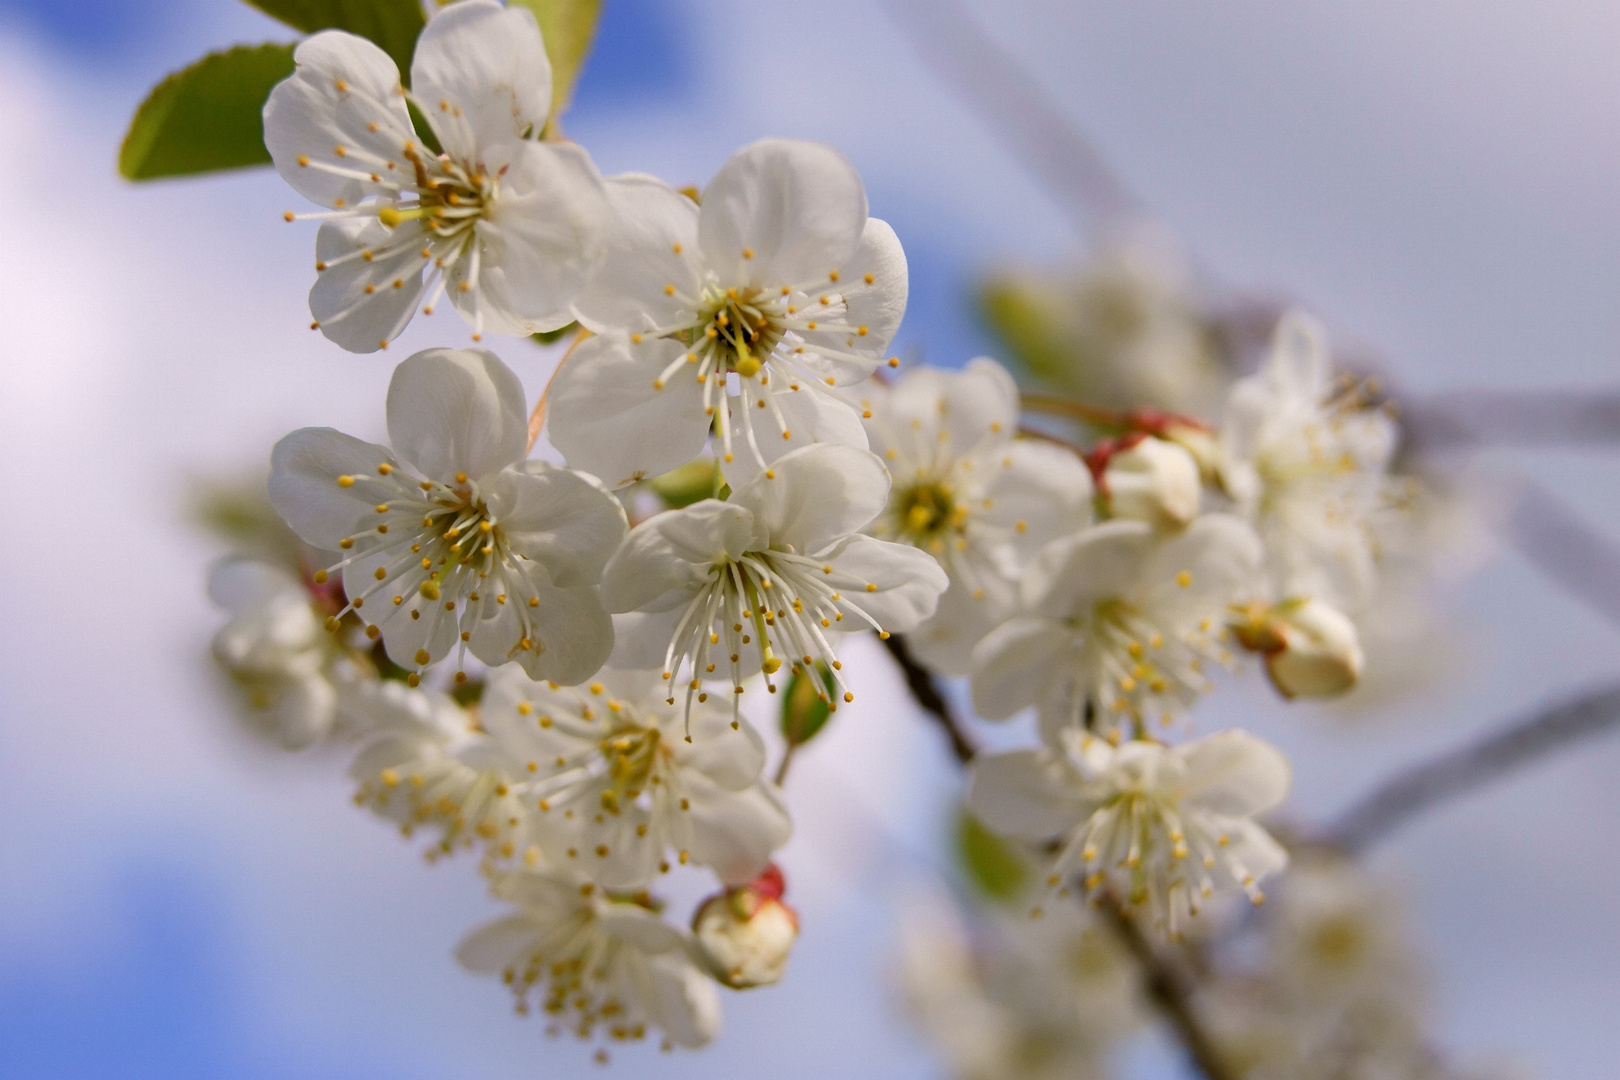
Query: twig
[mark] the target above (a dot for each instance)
(537, 419)
(1460, 771)
(782, 768)
(1075, 410)
(922, 687)
(1469, 419)
(1557, 541)
(1018, 110)
(1168, 990)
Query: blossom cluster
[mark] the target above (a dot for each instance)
(534, 669)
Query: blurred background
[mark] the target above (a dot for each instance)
(1437, 178)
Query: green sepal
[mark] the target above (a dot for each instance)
(804, 711)
(995, 867)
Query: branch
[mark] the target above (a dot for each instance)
(1169, 992)
(922, 687)
(1557, 541)
(1016, 109)
(1461, 771)
(1469, 419)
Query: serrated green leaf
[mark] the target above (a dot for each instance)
(569, 27)
(392, 24)
(804, 711)
(995, 866)
(207, 117)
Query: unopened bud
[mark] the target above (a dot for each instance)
(746, 934)
(1152, 480)
(1198, 441)
(1310, 647)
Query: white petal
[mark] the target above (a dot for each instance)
(303, 713)
(541, 240)
(492, 947)
(735, 833)
(897, 585)
(605, 415)
(482, 75)
(641, 638)
(817, 496)
(434, 630)
(1298, 368)
(731, 757)
(1013, 663)
(809, 416)
(570, 635)
(1023, 795)
(557, 517)
(359, 320)
(1219, 553)
(620, 851)
(456, 411)
(309, 116)
(782, 213)
(304, 489)
(1234, 773)
(1044, 487)
(668, 557)
(642, 929)
(1254, 849)
(683, 1001)
(1072, 574)
(651, 246)
(944, 641)
(880, 304)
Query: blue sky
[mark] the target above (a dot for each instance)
(1436, 177)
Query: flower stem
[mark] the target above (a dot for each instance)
(537, 419)
(921, 685)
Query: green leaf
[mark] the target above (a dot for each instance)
(207, 117)
(683, 486)
(569, 27)
(994, 865)
(392, 24)
(804, 709)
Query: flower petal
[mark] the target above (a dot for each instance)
(343, 85)
(304, 489)
(944, 641)
(541, 239)
(731, 757)
(817, 496)
(564, 637)
(735, 833)
(559, 518)
(651, 269)
(494, 946)
(608, 418)
(457, 411)
(1074, 573)
(363, 304)
(782, 213)
(1234, 773)
(1013, 662)
(1041, 492)
(683, 1002)
(481, 73)
(808, 416)
(668, 557)
(897, 585)
(238, 583)
(1023, 795)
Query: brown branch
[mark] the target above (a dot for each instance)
(922, 687)
(1168, 989)
(1470, 419)
(537, 419)
(1461, 771)
(1053, 405)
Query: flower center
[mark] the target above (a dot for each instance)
(927, 511)
(740, 327)
(631, 756)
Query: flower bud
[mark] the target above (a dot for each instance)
(1152, 480)
(1197, 440)
(746, 934)
(1310, 647)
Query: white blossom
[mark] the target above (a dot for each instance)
(772, 575)
(276, 649)
(507, 225)
(623, 783)
(594, 964)
(1310, 648)
(1120, 621)
(1152, 480)
(1158, 826)
(970, 494)
(741, 316)
(1307, 460)
(746, 933)
(428, 765)
(456, 541)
